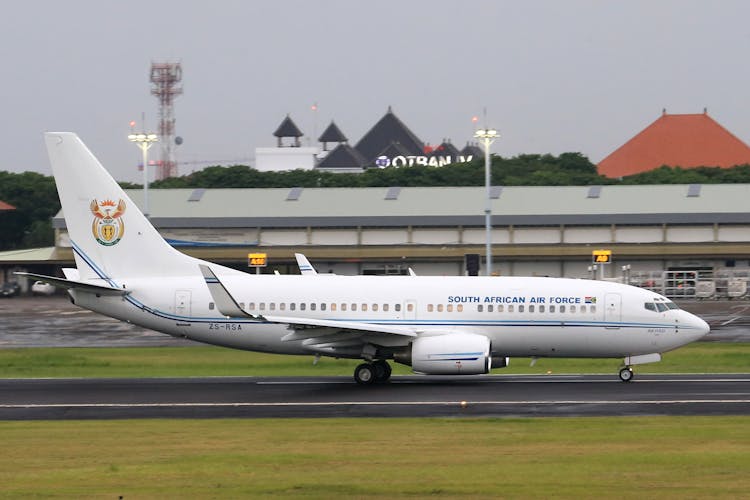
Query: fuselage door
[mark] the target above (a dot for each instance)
(613, 310)
(182, 303)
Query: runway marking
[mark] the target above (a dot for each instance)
(371, 403)
(730, 321)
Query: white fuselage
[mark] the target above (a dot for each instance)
(545, 317)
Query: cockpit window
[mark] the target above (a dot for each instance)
(661, 306)
(671, 305)
(650, 306)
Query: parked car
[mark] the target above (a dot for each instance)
(10, 289)
(42, 288)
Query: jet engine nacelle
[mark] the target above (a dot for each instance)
(451, 354)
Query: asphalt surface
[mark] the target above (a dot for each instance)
(413, 396)
(55, 322)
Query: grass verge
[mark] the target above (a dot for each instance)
(701, 357)
(664, 457)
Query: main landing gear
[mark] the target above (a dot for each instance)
(626, 374)
(372, 373)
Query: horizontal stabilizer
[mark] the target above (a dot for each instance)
(76, 285)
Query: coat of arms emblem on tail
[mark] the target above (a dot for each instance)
(108, 227)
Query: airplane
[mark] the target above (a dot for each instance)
(456, 325)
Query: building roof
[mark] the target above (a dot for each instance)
(387, 130)
(394, 149)
(288, 129)
(689, 140)
(6, 206)
(472, 149)
(441, 206)
(332, 134)
(343, 156)
(446, 148)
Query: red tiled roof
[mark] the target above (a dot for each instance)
(692, 140)
(6, 206)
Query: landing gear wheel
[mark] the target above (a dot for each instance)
(626, 374)
(365, 374)
(382, 371)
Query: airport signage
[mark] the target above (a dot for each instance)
(601, 256)
(257, 260)
(409, 161)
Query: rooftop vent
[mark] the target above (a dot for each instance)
(393, 193)
(594, 192)
(694, 190)
(197, 194)
(294, 194)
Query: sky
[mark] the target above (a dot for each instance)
(554, 76)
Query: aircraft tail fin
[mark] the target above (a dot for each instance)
(110, 236)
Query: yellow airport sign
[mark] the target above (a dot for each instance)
(601, 256)
(257, 260)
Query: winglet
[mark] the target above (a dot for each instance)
(225, 303)
(305, 268)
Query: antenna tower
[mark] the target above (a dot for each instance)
(165, 80)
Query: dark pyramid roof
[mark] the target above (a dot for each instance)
(332, 134)
(446, 148)
(288, 129)
(343, 156)
(394, 149)
(387, 130)
(472, 150)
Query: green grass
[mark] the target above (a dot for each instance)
(636, 457)
(701, 357)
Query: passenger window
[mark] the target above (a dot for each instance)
(364, 308)
(343, 307)
(374, 307)
(333, 306)
(242, 305)
(520, 308)
(500, 308)
(250, 306)
(552, 309)
(211, 306)
(583, 309)
(354, 307)
(385, 307)
(480, 308)
(262, 306)
(531, 308)
(510, 308)
(313, 306)
(302, 306)
(292, 306)
(272, 306)
(430, 307)
(592, 309)
(562, 309)
(449, 308)
(440, 308)
(398, 307)
(490, 308)
(572, 309)
(282, 306)
(323, 306)
(410, 307)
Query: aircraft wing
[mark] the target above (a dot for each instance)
(76, 285)
(301, 324)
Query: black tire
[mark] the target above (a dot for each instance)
(626, 374)
(382, 371)
(364, 374)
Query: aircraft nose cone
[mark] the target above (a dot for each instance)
(701, 327)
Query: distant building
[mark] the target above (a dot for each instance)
(388, 143)
(686, 140)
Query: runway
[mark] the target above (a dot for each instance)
(411, 396)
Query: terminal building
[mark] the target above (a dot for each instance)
(537, 231)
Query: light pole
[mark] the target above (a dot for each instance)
(487, 136)
(144, 141)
